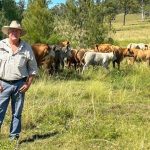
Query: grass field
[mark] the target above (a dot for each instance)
(135, 30)
(94, 111)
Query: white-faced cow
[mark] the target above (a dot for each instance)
(62, 53)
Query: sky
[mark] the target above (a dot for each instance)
(53, 2)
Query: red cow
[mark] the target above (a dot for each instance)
(44, 55)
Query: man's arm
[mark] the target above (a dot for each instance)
(27, 84)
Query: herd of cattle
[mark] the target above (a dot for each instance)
(55, 57)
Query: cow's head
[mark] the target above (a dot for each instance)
(127, 52)
(67, 51)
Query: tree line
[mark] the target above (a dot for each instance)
(83, 22)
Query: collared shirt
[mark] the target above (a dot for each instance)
(19, 65)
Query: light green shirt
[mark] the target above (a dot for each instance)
(19, 65)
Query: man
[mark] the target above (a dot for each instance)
(17, 70)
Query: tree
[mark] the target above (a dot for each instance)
(126, 6)
(38, 21)
(9, 11)
(86, 18)
(145, 7)
(20, 9)
(110, 10)
(3, 21)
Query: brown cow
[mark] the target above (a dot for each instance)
(120, 54)
(44, 55)
(72, 60)
(140, 55)
(103, 48)
(76, 58)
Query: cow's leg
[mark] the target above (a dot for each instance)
(62, 64)
(113, 64)
(118, 65)
(75, 65)
(51, 69)
(84, 67)
(80, 67)
(68, 63)
(148, 62)
(105, 64)
(57, 66)
(131, 61)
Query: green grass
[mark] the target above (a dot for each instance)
(97, 110)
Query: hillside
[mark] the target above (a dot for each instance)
(135, 30)
(94, 111)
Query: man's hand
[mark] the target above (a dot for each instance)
(27, 84)
(24, 88)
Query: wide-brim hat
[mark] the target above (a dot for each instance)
(15, 25)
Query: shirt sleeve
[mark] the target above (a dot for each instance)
(32, 64)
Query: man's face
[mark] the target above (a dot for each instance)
(14, 34)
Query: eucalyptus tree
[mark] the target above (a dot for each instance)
(38, 21)
(110, 8)
(20, 9)
(86, 16)
(147, 9)
(126, 6)
(144, 6)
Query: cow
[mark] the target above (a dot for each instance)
(62, 53)
(76, 58)
(98, 58)
(119, 52)
(103, 48)
(44, 56)
(72, 59)
(141, 46)
(140, 55)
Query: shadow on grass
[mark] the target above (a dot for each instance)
(38, 137)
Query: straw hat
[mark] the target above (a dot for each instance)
(15, 25)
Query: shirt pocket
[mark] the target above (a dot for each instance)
(21, 60)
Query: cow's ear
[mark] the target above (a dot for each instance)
(50, 47)
(130, 50)
(45, 51)
(53, 47)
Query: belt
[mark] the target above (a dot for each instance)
(14, 81)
